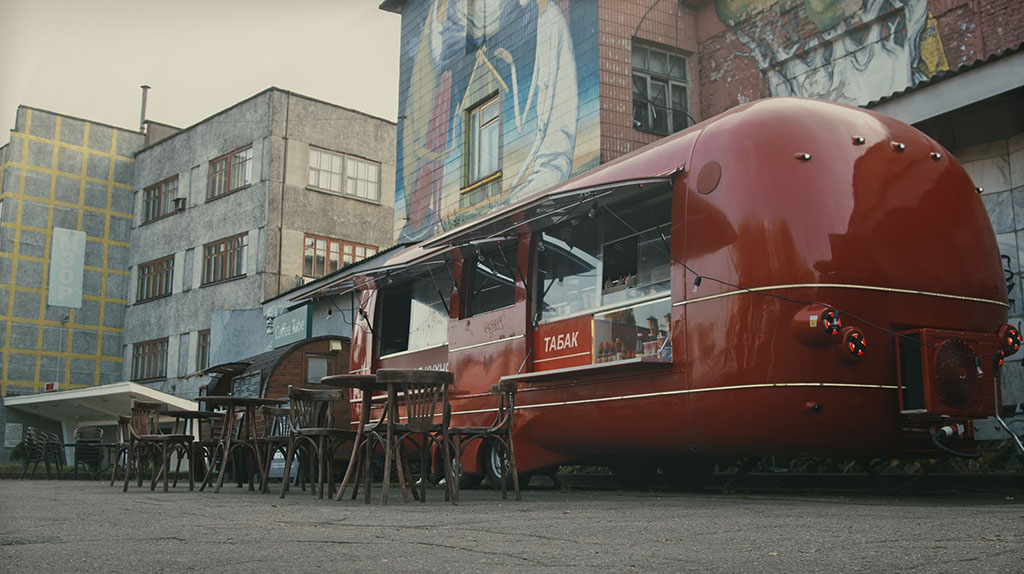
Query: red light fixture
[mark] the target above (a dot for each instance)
(1009, 340)
(853, 344)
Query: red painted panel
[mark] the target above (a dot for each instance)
(563, 344)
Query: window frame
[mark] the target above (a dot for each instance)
(345, 249)
(154, 279)
(149, 360)
(202, 349)
(228, 164)
(474, 173)
(669, 83)
(319, 356)
(224, 255)
(161, 197)
(505, 253)
(342, 175)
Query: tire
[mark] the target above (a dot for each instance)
(494, 469)
(467, 480)
(635, 473)
(688, 472)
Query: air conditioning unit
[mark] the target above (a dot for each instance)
(306, 280)
(179, 203)
(947, 373)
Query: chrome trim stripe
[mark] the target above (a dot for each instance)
(704, 390)
(586, 353)
(841, 286)
(485, 343)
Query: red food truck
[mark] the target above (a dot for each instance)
(791, 277)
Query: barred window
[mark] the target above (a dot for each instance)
(203, 350)
(149, 360)
(340, 173)
(159, 199)
(322, 255)
(230, 172)
(155, 279)
(660, 100)
(225, 259)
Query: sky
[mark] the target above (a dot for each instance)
(88, 58)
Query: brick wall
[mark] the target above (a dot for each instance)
(663, 24)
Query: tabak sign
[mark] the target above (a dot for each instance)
(563, 344)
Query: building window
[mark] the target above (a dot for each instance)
(156, 279)
(230, 172)
(225, 259)
(203, 350)
(149, 360)
(322, 255)
(660, 102)
(484, 132)
(159, 199)
(344, 174)
(318, 367)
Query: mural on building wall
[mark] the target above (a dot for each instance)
(457, 54)
(850, 51)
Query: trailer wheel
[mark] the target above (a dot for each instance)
(688, 472)
(466, 480)
(635, 473)
(495, 467)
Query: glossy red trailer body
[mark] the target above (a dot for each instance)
(775, 204)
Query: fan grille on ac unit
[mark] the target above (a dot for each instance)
(955, 374)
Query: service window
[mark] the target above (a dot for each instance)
(491, 281)
(414, 312)
(615, 256)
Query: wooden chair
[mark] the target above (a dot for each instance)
(146, 437)
(498, 436)
(44, 447)
(418, 397)
(312, 433)
(273, 437)
(124, 439)
(88, 452)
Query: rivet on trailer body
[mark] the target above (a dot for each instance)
(980, 190)
(897, 146)
(803, 156)
(936, 155)
(858, 140)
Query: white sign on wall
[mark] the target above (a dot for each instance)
(67, 267)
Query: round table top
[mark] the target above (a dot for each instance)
(364, 382)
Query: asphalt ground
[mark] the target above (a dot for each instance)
(88, 526)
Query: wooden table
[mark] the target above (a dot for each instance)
(226, 441)
(368, 384)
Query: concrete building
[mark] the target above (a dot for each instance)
(254, 201)
(499, 100)
(65, 225)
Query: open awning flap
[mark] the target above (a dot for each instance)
(401, 260)
(94, 405)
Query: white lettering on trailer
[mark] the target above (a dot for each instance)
(561, 341)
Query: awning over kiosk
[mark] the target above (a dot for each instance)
(93, 405)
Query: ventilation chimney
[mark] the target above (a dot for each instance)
(142, 118)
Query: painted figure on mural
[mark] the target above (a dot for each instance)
(553, 84)
(461, 44)
(426, 124)
(864, 49)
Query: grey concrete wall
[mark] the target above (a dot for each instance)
(312, 123)
(281, 127)
(187, 155)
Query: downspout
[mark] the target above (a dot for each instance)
(284, 178)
